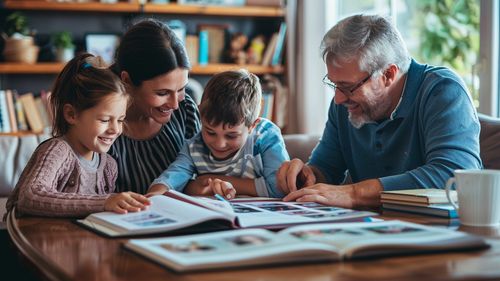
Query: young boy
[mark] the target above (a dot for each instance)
(236, 151)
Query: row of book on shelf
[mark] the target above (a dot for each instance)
(213, 45)
(237, 233)
(24, 112)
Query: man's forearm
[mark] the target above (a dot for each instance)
(367, 193)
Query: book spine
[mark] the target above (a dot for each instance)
(12, 110)
(4, 113)
(21, 117)
(279, 45)
(203, 51)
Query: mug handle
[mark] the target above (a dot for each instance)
(449, 183)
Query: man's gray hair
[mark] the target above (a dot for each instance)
(372, 40)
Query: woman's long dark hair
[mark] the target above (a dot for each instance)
(148, 49)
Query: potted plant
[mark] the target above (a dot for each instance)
(64, 47)
(19, 44)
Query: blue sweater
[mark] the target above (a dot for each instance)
(433, 131)
(258, 159)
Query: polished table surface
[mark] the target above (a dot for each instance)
(62, 250)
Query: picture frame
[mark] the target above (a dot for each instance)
(102, 44)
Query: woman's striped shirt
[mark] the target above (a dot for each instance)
(141, 161)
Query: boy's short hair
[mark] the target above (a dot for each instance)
(231, 98)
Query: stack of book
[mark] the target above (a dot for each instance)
(421, 201)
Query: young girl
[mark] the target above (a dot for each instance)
(70, 174)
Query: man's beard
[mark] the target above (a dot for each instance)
(374, 108)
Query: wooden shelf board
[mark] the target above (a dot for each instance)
(214, 10)
(54, 68)
(122, 7)
(77, 7)
(38, 68)
(19, 134)
(216, 68)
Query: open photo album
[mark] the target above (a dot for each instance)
(304, 243)
(176, 211)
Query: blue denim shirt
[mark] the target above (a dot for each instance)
(264, 150)
(433, 131)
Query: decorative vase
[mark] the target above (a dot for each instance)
(64, 54)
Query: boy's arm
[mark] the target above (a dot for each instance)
(271, 147)
(178, 174)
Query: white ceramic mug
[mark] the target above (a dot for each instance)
(478, 196)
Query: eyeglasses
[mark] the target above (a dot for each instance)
(347, 92)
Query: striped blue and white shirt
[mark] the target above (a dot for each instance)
(259, 159)
(141, 161)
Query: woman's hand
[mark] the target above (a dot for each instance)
(125, 202)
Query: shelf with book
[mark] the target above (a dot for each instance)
(54, 68)
(149, 8)
(119, 7)
(44, 15)
(20, 134)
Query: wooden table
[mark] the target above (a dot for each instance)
(62, 250)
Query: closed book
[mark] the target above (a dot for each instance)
(4, 112)
(44, 114)
(203, 50)
(21, 117)
(268, 53)
(9, 96)
(192, 45)
(31, 112)
(440, 210)
(423, 195)
(280, 42)
(216, 41)
(300, 244)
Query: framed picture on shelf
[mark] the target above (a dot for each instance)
(102, 44)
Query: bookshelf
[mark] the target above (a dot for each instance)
(45, 14)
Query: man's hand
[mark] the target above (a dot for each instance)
(340, 195)
(293, 175)
(125, 202)
(361, 194)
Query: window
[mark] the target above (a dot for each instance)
(443, 33)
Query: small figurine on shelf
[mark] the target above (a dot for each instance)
(237, 49)
(256, 49)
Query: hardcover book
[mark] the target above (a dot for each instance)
(176, 211)
(422, 196)
(304, 243)
(440, 210)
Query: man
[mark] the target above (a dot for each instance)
(393, 124)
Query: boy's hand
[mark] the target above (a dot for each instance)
(223, 188)
(125, 202)
(157, 189)
(199, 186)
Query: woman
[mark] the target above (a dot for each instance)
(153, 64)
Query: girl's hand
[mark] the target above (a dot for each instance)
(125, 202)
(223, 188)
